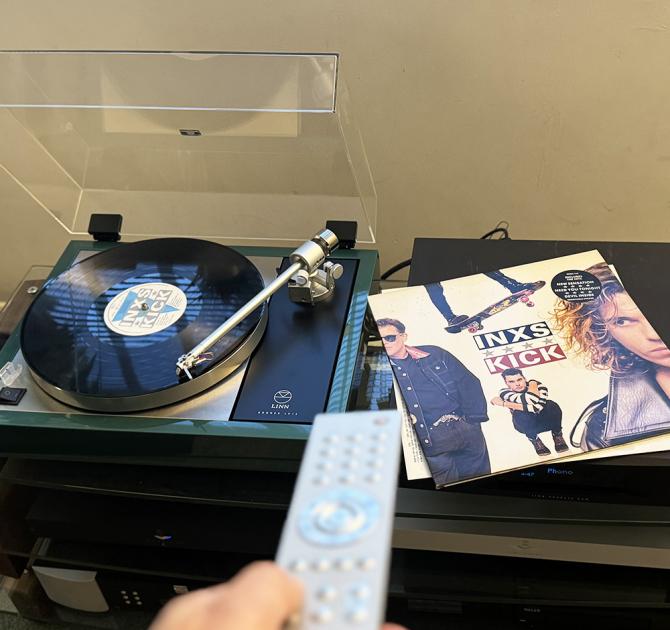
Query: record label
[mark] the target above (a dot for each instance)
(145, 309)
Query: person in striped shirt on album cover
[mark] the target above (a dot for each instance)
(532, 411)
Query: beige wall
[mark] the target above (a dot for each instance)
(552, 114)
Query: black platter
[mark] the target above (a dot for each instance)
(106, 334)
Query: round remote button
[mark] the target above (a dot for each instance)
(321, 565)
(338, 517)
(367, 564)
(358, 614)
(298, 566)
(322, 615)
(326, 593)
(344, 564)
(360, 591)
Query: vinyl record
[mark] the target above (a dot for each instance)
(106, 334)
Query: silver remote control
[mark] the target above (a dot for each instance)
(337, 536)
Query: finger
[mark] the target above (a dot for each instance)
(392, 626)
(185, 611)
(261, 596)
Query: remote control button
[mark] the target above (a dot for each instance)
(328, 452)
(350, 464)
(338, 517)
(322, 615)
(357, 614)
(324, 466)
(348, 478)
(361, 591)
(356, 437)
(321, 480)
(327, 593)
(373, 477)
(367, 564)
(298, 566)
(332, 439)
(381, 421)
(378, 449)
(344, 564)
(321, 565)
(376, 463)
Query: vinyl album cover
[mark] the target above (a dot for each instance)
(522, 366)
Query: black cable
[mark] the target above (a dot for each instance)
(501, 228)
(396, 268)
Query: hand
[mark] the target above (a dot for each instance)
(260, 597)
(533, 388)
(498, 401)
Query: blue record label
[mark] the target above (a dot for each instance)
(145, 309)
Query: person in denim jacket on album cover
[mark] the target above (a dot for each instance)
(446, 403)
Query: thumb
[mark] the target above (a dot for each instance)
(261, 597)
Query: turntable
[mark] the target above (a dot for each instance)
(212, 304)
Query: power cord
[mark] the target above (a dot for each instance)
(501, 228)
(391, 270)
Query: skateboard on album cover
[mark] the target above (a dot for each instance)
(474, 323)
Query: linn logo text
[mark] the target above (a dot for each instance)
(282, 398)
